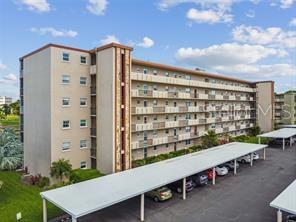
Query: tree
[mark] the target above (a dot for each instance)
(6, 109)
(15, 107)
(210, 139)
(11, 154)
(254, 131)
(61, 169)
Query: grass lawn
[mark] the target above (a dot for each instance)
(17, 197)
(11, 121)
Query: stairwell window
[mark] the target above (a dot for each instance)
(66, 124)
(83, 144)
(83, 60)
(83, 123)
(83, 81)
(65, 79)
(83, 102)
(83, 165)
(66, 146)
(66, 102)
(66, 57)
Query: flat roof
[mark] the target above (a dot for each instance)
(281, 133)
(286, 200)
(89, 196)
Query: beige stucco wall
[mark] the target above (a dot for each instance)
(37, 108)
(105, 110)
(265, 105)
(74, 113)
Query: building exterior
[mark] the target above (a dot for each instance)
(102, 109)
(4, 100)
(285, 108)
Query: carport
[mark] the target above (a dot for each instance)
(286, 201)
(89, 196)
(288, 126)
(284, 133)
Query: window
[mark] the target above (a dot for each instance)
(66, 79)
(167, 74)
(155, 118)
(66, 101)
(155, 72)
(167, 131)
(83, 144)
(66, 146)
(83, 123)
(66, 57)
(145, 71)
(83, 60)
(155, 148)
(66, 124)
(83, 102)
(83, 165)
(166, 102)
(145, 153)
(154, 102)
(83, 81)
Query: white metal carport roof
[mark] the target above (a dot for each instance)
(286, 201)
(92, 195)
(287, 126)
(280, 133)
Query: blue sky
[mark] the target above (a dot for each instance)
(249, 39)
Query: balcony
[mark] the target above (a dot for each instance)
(162, 140)
(171, 124)
(194, 83)
(93, 70)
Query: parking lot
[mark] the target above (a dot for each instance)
(244, 197)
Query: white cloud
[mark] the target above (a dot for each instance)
(97, 7)
(54, 32)
(10, 77)
(259, 71)
(208, 16)
(109, 39)
(251, 14)
(293, 22)
(36, 5)
(165, 4)
(270, 36)
(225, 54)
(147, 43)
(2, 66)
(286, 3)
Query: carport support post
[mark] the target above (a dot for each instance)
(264, 153)
(235, 163)
(251, 158)
(214, 176)
(74, 219)
(142, 206)
(279, 216)
(184, 188)
(44, 210)
(283, 143)
(291, 140)
(259, 140)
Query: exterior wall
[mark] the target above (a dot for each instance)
(105, 110)
(265, 105)
(285, 106)
(37, 112)
(74, 112)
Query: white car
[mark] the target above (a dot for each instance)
(221, 170)
(256, 156)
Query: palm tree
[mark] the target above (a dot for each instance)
(60, 169)
(210, 139)
(11, 154)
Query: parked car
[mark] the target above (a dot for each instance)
(291, 218)
(244, 159)
(200, 179)
(230, 165)
(178, 185)
(221, 170)
(210, 174)
(278, 141)
(160, 194)
(256, 156)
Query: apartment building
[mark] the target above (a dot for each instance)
(4, 100)
(285, 108)
(102, 109)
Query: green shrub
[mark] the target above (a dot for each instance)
(43, 182)
(79, 175)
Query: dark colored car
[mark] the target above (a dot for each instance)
(200, 179)
(277, 142)
(291, 218)
(230, 165)
(178, 185)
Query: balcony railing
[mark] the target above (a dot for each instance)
(185, 136)
(93, 152)
(93, 70)
(178, 81)
(93, 90)
(93, 132)
(185, 95)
